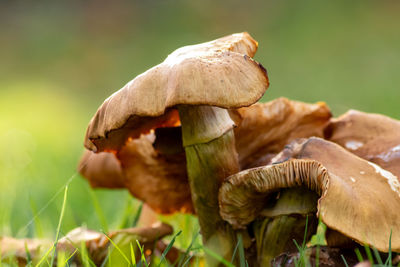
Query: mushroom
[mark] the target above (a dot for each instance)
(357, 198)
(194, 86)
(97, 244)
(154, 165)
(373, 137)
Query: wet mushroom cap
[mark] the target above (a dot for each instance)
(219, 73)
(373, 137)
(358, 198)
(101, 169)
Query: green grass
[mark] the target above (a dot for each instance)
(59, 62)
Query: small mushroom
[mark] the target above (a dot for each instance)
(373, 137)
(357, 198)
(194, 86)
(97, 244)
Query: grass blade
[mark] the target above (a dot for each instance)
(187, 261)
(188, 250)
(242, 259)
(359, 256)
(98, 210)
(169, 247)
(126, 220)
(119, 250)
(59, 224)
(218, 257)
(137, 215)
(235, 251)
(133, 257)
(389, 259)
(377, 256)
(70, 257)
(143, 258)
(37, 222)
(344, 260)
(28, 254)
(369, 254)
(44, 256)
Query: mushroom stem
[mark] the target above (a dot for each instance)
(211, 156)
(276, 233)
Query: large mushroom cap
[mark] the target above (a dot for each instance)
(218, 73)
(373, 137)
(358, 198)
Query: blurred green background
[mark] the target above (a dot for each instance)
(60, 60)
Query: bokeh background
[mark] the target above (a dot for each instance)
(60, 59)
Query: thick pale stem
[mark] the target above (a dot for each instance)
(211, 157)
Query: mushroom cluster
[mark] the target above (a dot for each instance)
(188, 136)
(99, 246)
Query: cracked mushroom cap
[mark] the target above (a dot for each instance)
(101, 169)
(370, 136)
(218, 73)
(263, 129)
(358, 198)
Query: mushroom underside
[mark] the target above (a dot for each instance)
(343, 182)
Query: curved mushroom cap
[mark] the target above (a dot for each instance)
(218, 73)
(159, 179)
(264, 129)
(358, 198)
(372, 137)
(101, 169)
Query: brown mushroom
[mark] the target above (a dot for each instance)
(373, 137)
(200, 82)
(357, 198)
(97, 244)
(154, 165)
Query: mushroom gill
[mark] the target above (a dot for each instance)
(357, 197)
